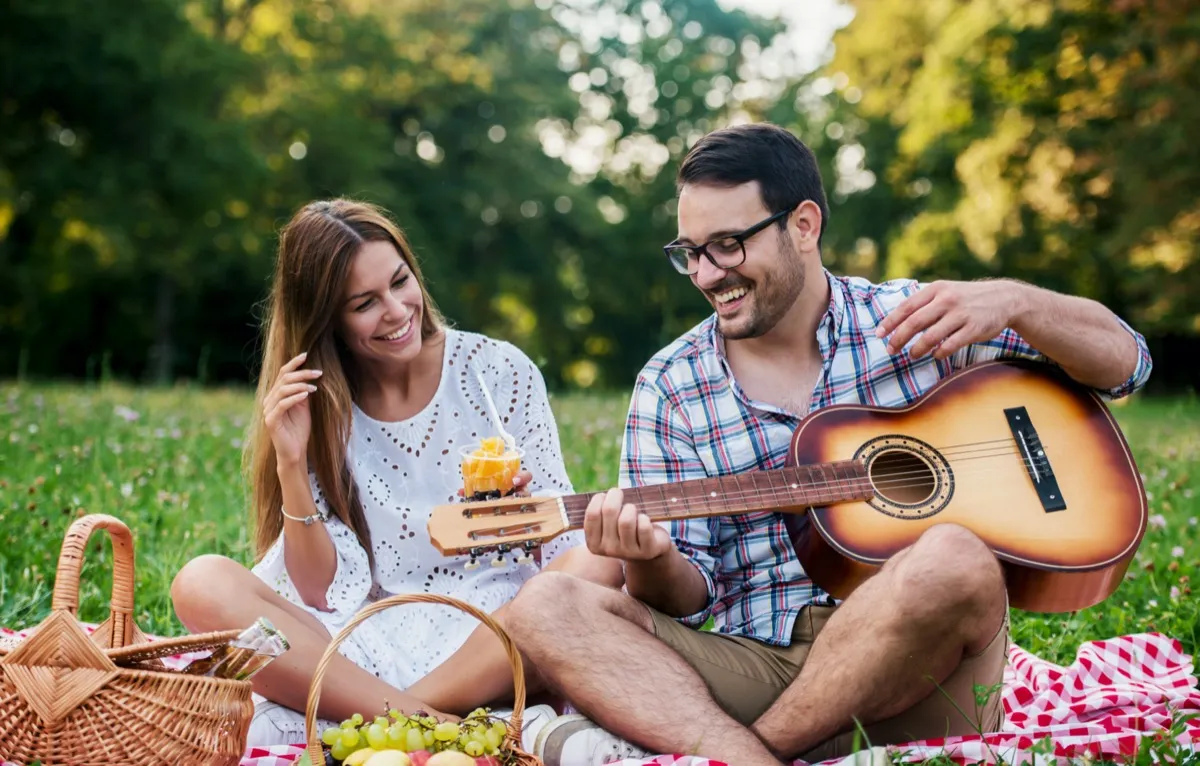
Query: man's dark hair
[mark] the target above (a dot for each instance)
(784, 167)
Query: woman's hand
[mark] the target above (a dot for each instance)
(521, 483)
(286, 413)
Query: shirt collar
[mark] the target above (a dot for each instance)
(828, 332)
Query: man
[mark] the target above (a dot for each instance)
(787, 672)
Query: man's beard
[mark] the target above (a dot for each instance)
(770, 298)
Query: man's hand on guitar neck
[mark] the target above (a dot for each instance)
(656, 573)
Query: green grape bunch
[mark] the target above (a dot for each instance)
(355, 741)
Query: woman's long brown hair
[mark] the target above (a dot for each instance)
(316, 249)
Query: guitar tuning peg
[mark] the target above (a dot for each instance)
(475, 553)
(498, 562)
(527, 556)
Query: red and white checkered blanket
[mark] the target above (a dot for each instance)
(1118, 692)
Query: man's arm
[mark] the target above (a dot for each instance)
(1086, 339)
(1082, 336)
(672, 571)
(656, 573)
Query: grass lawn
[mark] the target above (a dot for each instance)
(167, 463)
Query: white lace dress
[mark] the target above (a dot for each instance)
(404, 469)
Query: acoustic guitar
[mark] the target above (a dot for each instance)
(1015, 451)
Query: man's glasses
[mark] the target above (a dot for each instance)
(726, 252)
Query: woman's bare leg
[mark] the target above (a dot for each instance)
(479, 673)
(216, 593)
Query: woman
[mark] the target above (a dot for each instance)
(364, 399)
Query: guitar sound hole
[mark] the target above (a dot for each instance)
(902, 477)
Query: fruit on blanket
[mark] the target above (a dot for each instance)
(450, 758)
(389, 758)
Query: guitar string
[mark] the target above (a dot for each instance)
(892, 480)
(890, 477)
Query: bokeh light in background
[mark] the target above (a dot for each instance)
(528, 149)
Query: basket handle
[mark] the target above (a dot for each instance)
(118, 630)
(512, 740)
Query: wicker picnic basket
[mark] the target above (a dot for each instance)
(514, 755)
(106, 699)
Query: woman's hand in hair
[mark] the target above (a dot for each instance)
(286, 413)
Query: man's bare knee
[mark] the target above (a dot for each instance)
(950, 571)
(554, 596)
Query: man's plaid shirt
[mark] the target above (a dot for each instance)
(689, 418)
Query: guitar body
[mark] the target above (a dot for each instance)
(1061, 505)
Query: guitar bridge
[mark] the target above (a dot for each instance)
(1037, 465)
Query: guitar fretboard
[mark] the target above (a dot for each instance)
(793, 487)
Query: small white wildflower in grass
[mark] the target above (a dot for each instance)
(126, 489)
(1192, 521)
(33, 429)
(1177, 552)
(1152, 603)
(1158, 521)
(1174, 593)
(125, 413)
(236, 443)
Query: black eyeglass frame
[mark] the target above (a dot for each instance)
(702, 250)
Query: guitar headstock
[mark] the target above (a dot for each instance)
(512, 524)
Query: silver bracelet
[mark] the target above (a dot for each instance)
(307, 520)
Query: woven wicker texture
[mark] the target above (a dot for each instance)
(67, 698)
(515, 756)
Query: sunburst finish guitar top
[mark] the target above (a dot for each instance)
(1029, 461)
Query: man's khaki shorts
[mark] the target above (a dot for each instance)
(746, 676)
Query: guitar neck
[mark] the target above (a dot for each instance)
(775, 489)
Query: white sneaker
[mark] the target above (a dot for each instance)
(532, 722)
(274, 724)
(574, 740)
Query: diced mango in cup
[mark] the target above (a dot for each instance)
(488, 470)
